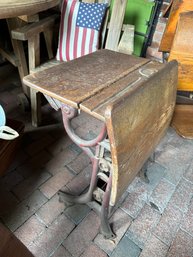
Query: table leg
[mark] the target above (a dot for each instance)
(13, 23)
(68, 114)
(34, 61)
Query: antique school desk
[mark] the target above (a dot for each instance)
(133, 97)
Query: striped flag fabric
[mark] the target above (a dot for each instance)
(79, 29)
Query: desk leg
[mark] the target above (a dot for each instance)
(13, 23)
(68, 114)
(34, 61)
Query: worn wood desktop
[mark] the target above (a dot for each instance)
(133, 97)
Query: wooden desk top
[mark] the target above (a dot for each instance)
(14, 8)
(90, 82)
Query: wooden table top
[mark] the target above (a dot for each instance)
(14, 8)
(90, 82)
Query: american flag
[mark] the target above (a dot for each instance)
(79, 29)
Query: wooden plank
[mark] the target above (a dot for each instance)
(178, 7)
(34, 61)
(29, 18)
(29, 30)
(166, 11)
(34, 51)
(182, 51)
(136, 122)
(132, 81)
(182, 120)
(97, 104)
(10, 245)
(126, 44)
(75, 81)
(48, 35)
(115, 25)
(9, 56)
(20, 54)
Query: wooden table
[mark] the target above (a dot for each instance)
(9, 10)
(133, 97)
(14, 8)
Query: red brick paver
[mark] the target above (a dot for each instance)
(48, 242)
(169, 224)
(182, 245)
(187, 223)
(142, 227)
(30, 230)
(51, 186)
(93, 250)
(82, 236)
(61, 252)
(154, 248)
(50, 210)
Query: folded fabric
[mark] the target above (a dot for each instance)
(80, 27)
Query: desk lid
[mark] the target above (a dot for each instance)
(76, 81)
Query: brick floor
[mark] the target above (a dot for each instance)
(161, 195)
(182, 245)
(93, 250)
(154, 248)
(82, 235)
(50, 210)
(142, 227)
(169, 224)
(30, 230)
(48, 161)
(120, 223)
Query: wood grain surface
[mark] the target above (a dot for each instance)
(97, 104)
(75, 81)
(116, 24)
(182, 120)
(178, 7)
(182, 51)
(136, 122)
